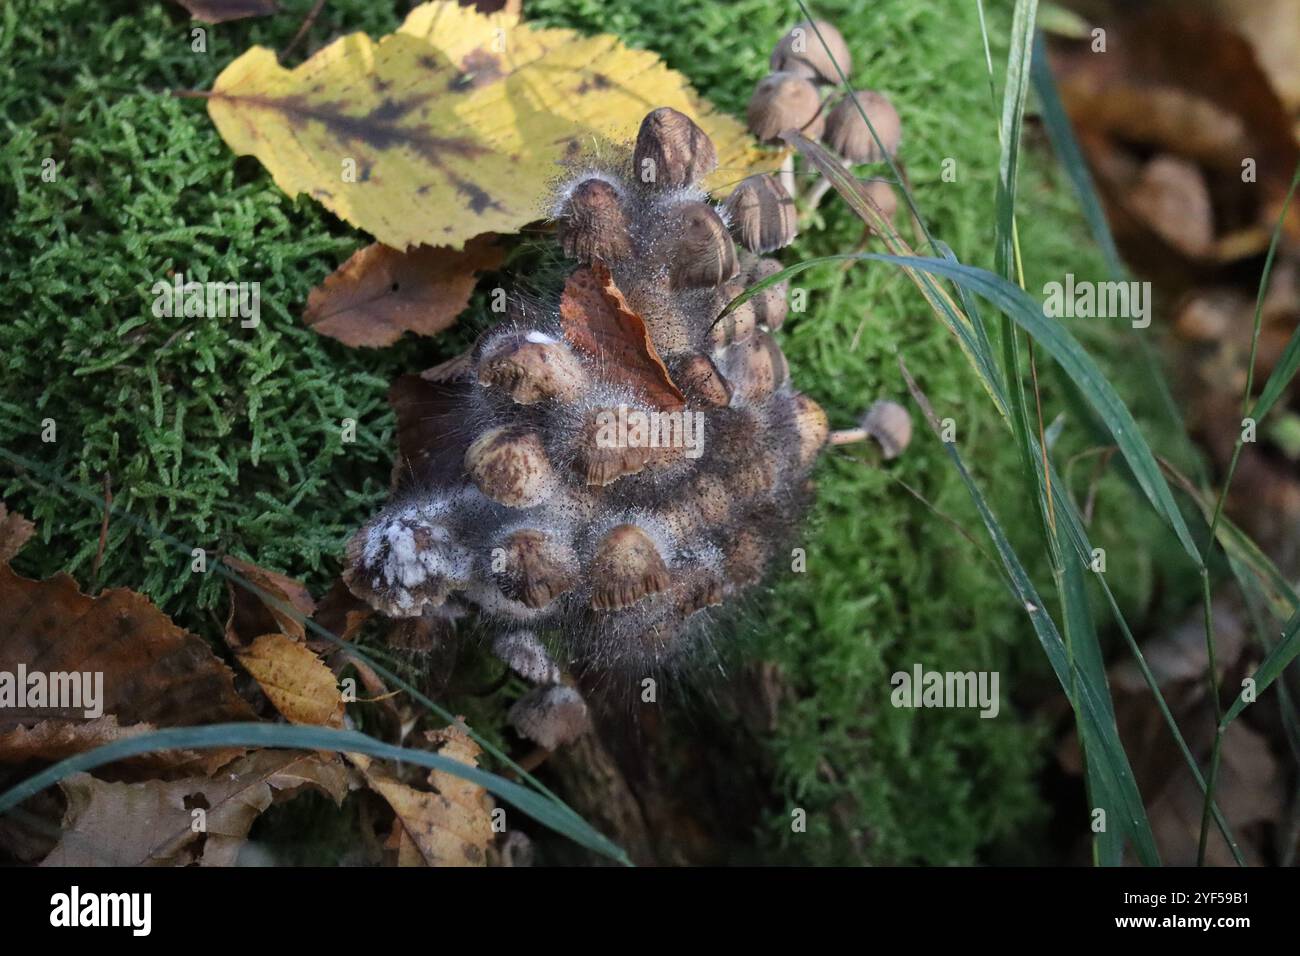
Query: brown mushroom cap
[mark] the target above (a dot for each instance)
(762, 214)
(510, 467)
(801, 51)
(593, 224)
(848, 134)
(771, 305)
(627, 567)
(671, 151)
(551, 716)
(704, 254)
(785, 101)
(890, 424)
(532, 369)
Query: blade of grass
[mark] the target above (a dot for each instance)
(1084, 697)
(285, 736)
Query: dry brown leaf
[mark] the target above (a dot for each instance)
(341, 612)
(154, 672)
(223, 11)
(154, 823)
(381, 292)
(451, 827)
(598, 322)
(1249, 792)
(432, 436)
(53, 740)
(15, 530)
(252, 615)
(294, 679)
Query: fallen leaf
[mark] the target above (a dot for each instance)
(294, 679)
(53, 740)
(153, 671)
(252, 614)
(223, 11)
(598, 322)
(341, 612)
(432, 433)
(450, 827)
(155, 823)
(382, 292)
(15, 530)
(1172, 197)
(453, 126)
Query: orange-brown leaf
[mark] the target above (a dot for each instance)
(380, 293)
(154, 671)
(598, 322)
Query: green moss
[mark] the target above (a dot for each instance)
(231, 439)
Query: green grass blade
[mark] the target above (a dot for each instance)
(314, 738)
(1271, 667)
(1085, 697)
(1290, 360)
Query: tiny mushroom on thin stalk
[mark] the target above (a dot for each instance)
(862, 128)
(887, 422)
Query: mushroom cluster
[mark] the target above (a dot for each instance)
(611, 473)
(808, 65)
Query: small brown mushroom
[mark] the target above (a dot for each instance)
(770, 305)
(593, 224)
(701, 381)
(762, 214)
(627, 568)
(804, 51)
(532, 368)
(550, 716)
(671, 151)
(849, 135)
(812, 427)
(890, 424)
(510, 467)
(704, 254)
(535, 567)
(785, 101)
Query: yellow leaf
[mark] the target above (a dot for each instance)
(450, 827)
(295, 680)
(456, 124)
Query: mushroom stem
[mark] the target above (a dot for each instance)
(787, 174)
(849, 436)
(822, 186)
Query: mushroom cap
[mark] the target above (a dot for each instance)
(524, 653)
(848, 134)
(762, 213)
(771, 305)
(704, 254)
(883, 195)
(627, 567)
(550, 716)
(593, 224)
(812, 427)
(537, 567)
(890, 424)
(801, 51)
(672, 151)
(510, 467)
(785, 101)
(531, 369)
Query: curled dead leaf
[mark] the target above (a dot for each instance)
(598, 322)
